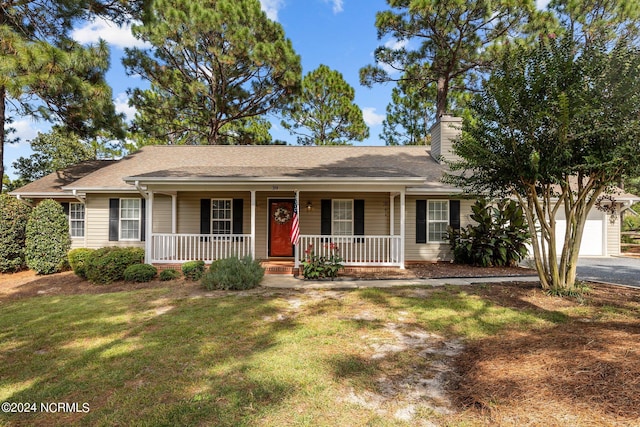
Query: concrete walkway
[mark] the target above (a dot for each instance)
(290, 282)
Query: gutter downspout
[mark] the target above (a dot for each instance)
(148, 196)
(19, 197)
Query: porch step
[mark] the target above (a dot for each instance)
(279, 267)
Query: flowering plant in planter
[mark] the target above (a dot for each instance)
(321, 266)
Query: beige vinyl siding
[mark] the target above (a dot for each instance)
(189, 209)
(97, 221)
(161, 213)
(428, 251)
(613, 235)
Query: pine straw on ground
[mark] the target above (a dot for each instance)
(583, 372)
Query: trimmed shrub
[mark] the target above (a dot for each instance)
(193, 270)
(78, 260)
(140, 273)
(169, 274)
(106, 265)
(48, 240)
(14, 216)
(233, 274)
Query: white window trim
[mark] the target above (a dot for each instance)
(430, 221)
(229, 220)
(82, 221)
(139, 219)
(333, 220)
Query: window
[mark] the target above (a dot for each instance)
(76, 219)
(221, 216)
(437, 220)
(129, 219)
(342, 219)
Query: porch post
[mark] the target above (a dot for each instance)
(296, 248)
(253, 224)
(148, 244)
(402, 226)
(174, 213)
(392, 214)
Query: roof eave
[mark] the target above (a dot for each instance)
(245, 180)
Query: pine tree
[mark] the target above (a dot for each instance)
(211, 64)
(45, 75)
(324, 112)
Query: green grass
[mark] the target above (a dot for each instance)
(152, 358)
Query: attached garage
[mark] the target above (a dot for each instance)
(594, 235)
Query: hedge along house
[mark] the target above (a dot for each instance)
(380, 206)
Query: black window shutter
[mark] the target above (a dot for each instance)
(358, 217)
(143, 219)
(65, 208)
(325, 217)
(114, 219)
(421, 221)
(237, 216)
(205, 216)
(454, 214)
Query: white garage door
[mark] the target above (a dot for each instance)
(593, 236)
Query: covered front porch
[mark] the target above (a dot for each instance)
(365, 227)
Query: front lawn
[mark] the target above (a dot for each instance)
(177, 355)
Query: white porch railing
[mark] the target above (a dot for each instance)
(355, 250)
(175, 248)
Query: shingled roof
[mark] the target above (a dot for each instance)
(246, 163)
(51, 185)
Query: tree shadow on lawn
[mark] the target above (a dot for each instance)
(131, 361)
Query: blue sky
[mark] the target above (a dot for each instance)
(338, 33)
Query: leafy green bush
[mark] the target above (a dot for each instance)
(233, 274)
(169, 274)
(48, 238)
(319, 267)
(193, 270)
(140, 273)
(78, 260)
(499, 237)
(14, 216)
(106, 265)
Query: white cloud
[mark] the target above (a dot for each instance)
(122, 106)
(100, 28)
(26, 130)
(371, 118)
(271, 8)
(396, 44)
(337, 5)
(542, 4)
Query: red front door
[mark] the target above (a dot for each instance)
(280, 216)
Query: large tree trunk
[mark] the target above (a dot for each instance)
(441, 97)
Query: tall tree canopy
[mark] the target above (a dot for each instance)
(442, 42)
(59, 149)
(46, 75)
(555, 127)
(324, 113)
(212, 63)
(407, 121)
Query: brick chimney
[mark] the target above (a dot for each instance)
(443, 133)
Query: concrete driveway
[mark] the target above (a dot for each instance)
(618, 270)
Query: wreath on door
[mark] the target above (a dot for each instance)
(282, 215)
